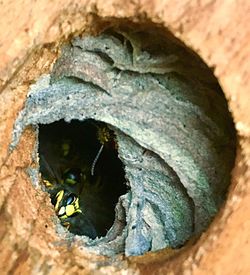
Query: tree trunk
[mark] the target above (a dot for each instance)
(30, 35)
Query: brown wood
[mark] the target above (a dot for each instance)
(30, 32)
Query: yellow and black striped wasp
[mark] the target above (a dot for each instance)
(82, 173)
(65, 196)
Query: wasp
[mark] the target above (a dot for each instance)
(65, 196)
(105, 137)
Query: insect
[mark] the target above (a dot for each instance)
(65, 195)
(105, 136)
(63, 198)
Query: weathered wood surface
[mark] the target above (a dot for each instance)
(217, 30)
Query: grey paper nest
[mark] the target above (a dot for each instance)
(174, 133)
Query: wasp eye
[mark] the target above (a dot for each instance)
(72, 176)
(70, 199)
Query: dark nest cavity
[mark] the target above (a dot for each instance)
(77, 157)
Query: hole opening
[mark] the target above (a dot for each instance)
(69, 163)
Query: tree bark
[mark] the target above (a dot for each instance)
(30, 36)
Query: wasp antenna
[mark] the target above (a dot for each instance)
(95, 160)
(49, 168)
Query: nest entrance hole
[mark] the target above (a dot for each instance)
(81, 159)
